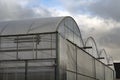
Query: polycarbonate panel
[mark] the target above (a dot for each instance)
(71, 57)
(62, 57)
(45, 25)
(71, 76)
(17, 27)
(47, 41)
(69, 30)
(12, 70)
(108, 74)
(46, 54)
(100, 73)
(38, 25)
(28, 46)
(41, 70)
(7, 43)
(85, 63)
(81, 77)
(26, 55)
(7, 55)
(3, 26)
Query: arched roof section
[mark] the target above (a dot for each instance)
(66, 26)
(104, 54)
(26, 26)
(90, 42)
(69, 29)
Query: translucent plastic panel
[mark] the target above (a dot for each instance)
(3, 25)
(47, 41)
(7, 43)
(26, 55)
(99, 70)
(12, 70)
(45, 25)
(85, 63)
(69, 30)
(28, 46)
(62, 57)
(108, 74)
(30, 26)
(77, 40)
(41, 70)
(17, 27)
(71, 76)
(81, 77)
(46, 54)
(7, 55)
(71, 57)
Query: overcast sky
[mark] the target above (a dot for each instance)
(97, 18)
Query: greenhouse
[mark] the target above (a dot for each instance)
(50, 49)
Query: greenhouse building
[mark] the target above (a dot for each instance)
(50, 49)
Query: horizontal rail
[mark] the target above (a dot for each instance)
(28, 34)
(42, 59)
(15, 50)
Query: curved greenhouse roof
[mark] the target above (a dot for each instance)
(66, 26)
(27, 26)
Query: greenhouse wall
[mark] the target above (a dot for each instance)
(28, 57)
(77, 64)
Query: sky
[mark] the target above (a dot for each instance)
(97, 18)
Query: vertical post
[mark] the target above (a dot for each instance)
(51, 45)
(17, 48)
(26, 69)
(94, 68)
(104, 73)
(76, 61)
(57, 59)
(36, 51)
(0, 42)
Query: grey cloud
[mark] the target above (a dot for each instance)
(110, 39)
(14, 10)
(106, 9)
(103, 8)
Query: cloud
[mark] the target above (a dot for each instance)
(13, 9)
(110, 38)
(20, 9)
(103, 8)
(106, 9)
